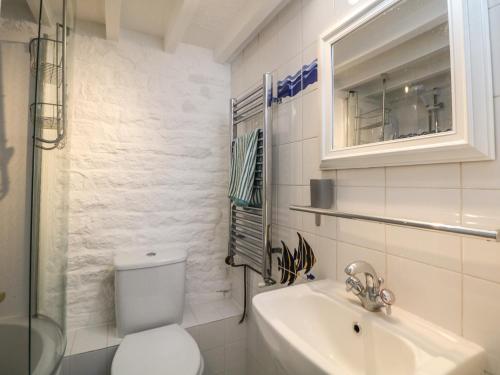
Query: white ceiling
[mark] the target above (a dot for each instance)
(90, 10)
(212, 20)
(145, 16)
(225, 26)
(209, 24)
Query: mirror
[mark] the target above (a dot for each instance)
(392, 76)
(397, 80)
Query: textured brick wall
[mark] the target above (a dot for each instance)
(148, 165)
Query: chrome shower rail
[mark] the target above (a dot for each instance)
(250, 227)
(437, 227)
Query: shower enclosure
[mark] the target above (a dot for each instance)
(35, 50)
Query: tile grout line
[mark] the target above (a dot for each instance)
(386, 255)
(337, 228)
(461, 251)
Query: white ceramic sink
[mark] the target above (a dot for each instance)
(310, 329)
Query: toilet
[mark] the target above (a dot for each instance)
(149, 302)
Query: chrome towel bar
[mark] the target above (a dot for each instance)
(437, 227)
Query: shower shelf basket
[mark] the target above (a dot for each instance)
(48, 67)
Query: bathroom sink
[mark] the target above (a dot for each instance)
(318, 328)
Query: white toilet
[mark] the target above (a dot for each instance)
(149, 300)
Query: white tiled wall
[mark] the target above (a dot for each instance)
(87, 339)
(448, 280)
(222, 343)
(223, 346)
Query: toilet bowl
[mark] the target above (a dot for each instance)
(160, 351)
(149, 301)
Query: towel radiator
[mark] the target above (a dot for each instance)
(250, 227)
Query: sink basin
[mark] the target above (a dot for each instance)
(318, 328)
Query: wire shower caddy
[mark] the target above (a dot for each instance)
(48, 67)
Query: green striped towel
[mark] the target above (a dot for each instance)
(243, 162)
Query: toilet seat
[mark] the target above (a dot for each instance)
(160, 351)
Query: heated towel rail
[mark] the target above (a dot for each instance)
(250, 227)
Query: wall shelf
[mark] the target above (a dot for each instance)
(436, 227)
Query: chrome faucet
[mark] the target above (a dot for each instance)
(372, 297)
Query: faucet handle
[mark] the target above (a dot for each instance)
(388, 298)
(380, 281)
(353, 284)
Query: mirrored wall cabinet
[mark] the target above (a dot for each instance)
(408, 82)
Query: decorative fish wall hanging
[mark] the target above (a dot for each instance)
(303, 260)
(287, 265)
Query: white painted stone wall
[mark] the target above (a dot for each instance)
(149, 165)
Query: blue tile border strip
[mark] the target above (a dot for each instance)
(309, 74)
(292, 85)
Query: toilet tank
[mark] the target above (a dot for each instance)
(149, 289)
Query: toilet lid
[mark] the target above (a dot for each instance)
(160, 351)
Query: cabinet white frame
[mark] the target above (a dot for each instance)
(473, 135)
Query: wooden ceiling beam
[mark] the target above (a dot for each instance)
(178, 20)
(112, 17)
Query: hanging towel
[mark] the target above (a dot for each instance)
(243, 162)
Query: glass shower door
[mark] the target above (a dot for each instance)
(15, 191)
(34, 76)
(49, 55)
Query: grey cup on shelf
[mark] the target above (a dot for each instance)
(321, 193)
